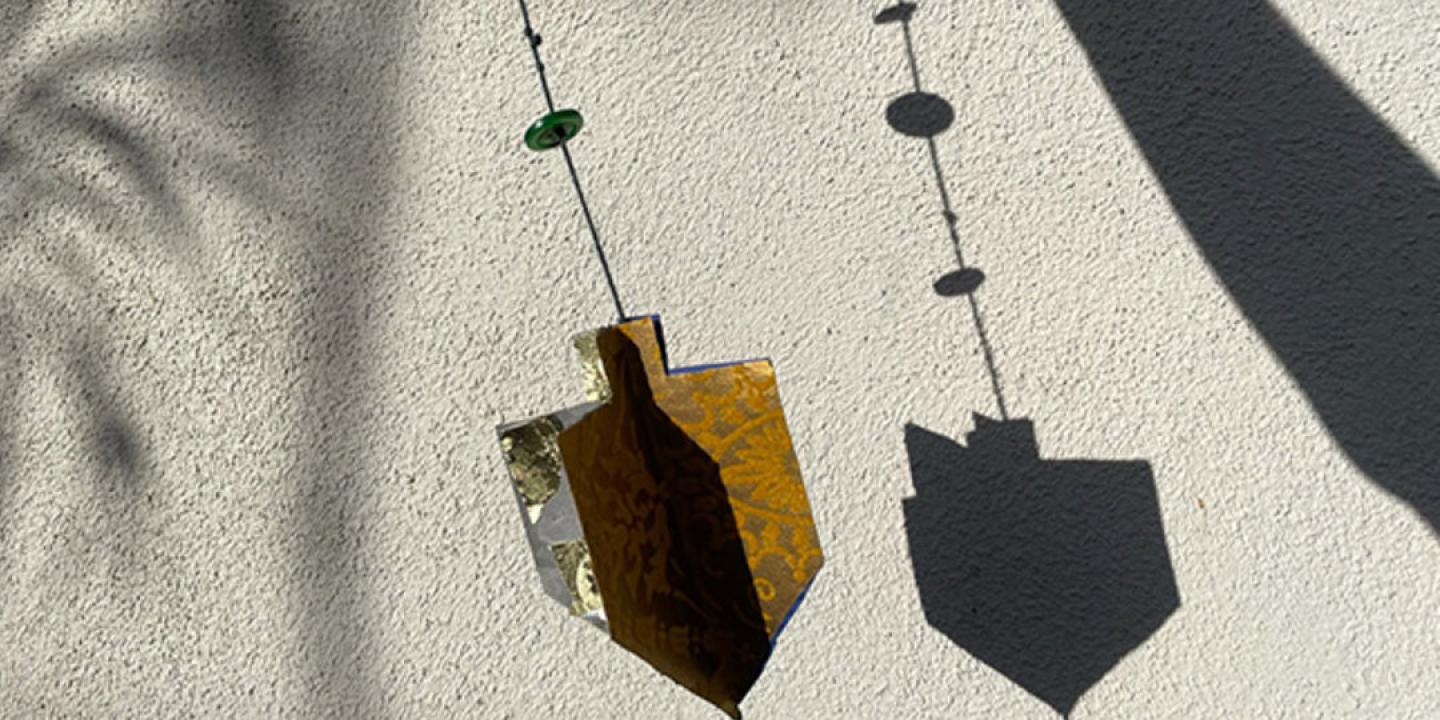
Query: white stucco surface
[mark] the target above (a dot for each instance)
(274, 271)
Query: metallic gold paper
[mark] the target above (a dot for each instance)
(552, 525)
(573, 558)
(534, 462)
(597, 387)
(685, 483)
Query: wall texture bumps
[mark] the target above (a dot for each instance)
(273, 271)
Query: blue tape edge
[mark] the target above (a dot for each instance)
(790, 613)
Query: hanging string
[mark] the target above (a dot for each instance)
(533, 39)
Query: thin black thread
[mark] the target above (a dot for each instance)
(532, 38)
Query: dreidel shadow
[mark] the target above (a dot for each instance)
(1048, 571)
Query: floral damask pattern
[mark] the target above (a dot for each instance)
(733, 412)
(690, 496)
(666, 554)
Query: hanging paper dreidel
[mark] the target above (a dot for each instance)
(668, 509)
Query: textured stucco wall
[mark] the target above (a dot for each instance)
(273, 272)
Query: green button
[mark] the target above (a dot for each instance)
(554, 129)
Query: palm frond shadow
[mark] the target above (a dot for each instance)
(235, 75)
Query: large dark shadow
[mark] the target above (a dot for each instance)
(1321, 223)
(1048, 571)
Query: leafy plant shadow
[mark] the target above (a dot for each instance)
(246, 78)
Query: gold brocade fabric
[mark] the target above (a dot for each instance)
(690, 497)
